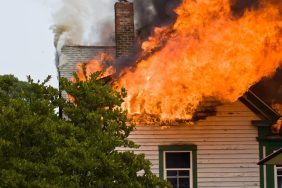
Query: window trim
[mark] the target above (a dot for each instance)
(267, 172)
(179, 148)
(276, 175)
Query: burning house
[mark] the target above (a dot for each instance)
(188, 90)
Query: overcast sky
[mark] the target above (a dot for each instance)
(27, 40)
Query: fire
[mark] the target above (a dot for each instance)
(277, 127)
(207, 52)
(277, 107)
(101, 62)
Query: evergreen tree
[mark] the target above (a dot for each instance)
(39, 149)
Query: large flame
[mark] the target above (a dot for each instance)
(101, 62)
(207, 52)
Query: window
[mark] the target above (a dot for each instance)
(177, 168)
(178, 165)
(279, 176)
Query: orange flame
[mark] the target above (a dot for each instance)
(277, 107)
(277, 127)
(207, 52)
(98, 63)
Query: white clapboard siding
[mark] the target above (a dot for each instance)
(227, 149)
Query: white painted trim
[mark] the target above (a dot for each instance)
(191, 167)
(191, 164)
(264, 167)
(276, 175)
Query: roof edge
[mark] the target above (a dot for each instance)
(269, 157)
(86, 46)
(258, 106)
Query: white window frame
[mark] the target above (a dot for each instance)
(276, 168)
(190, 169)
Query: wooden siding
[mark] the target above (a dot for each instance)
(227, 149)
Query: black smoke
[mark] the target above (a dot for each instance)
(157, 13)
(238, 7)
(270, 89)
(154, 13)
(148, 15)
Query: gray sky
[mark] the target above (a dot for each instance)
(27, 40)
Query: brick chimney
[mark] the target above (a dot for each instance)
(124, 26)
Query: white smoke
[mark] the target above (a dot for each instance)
(82, 22)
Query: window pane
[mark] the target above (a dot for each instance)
(279, 171)
(184, 183)
(183, 172)
(177, 159)
(171, 173)
(173, 182)
(279, 182)
(279, 177)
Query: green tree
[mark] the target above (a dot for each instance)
(32, 136)
(39, 149)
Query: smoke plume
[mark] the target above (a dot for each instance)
(270, 89)
(84, 22)
(154, 13)
(149, 14)
(88, 22)
(238, 7)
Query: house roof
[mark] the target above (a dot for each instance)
(274, 159)
(259, 107)
(72, 55)
(269, 89)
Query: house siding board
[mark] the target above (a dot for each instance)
(227, 149)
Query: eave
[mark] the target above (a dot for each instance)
(273, 159)
(259, 107)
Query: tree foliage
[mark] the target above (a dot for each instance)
(40, 149)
